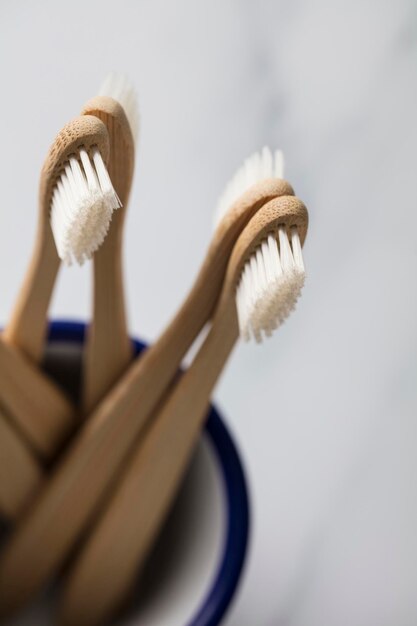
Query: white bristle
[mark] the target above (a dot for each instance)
(272, 278)
(118, 87)
(259, 166)
(270, 284)
(83, 201)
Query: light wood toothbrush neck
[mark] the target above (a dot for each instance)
(108, 349)
(27, 326)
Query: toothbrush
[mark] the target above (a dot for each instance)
(108, 349)
(263, 281)
(73, 221)
(52, 415)
(82, 203)
(72, 496)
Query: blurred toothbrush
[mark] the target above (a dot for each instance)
(108, 350)
(34, 413)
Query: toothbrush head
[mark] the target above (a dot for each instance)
(259, 168)
(271, 279)
(76, 189)
(116, 106)
(268, 268)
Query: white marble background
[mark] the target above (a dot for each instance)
(325, 412)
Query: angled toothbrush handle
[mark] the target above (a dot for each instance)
(35, 417)
(41, 411)
(27, 326)
(37, 408)
(20, 471)
(119, 543)
(108, 350)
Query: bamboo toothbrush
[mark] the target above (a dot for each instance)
(38, 412)
(74, 493)
(20, 471)
(108, 351)
(73, 221)
(263, 281)
(77, 202)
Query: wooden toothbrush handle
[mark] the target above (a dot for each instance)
(122, 538)
(27, 327)
(20, 472)
(41, 412)
(108, 350)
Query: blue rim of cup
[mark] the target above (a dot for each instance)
(230, 567)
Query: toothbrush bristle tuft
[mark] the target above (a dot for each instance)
(270, 284)
(83, 201)
(119, 87)
(259, 166)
